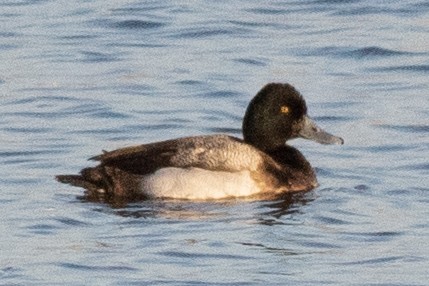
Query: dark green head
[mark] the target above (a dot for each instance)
(279, 113)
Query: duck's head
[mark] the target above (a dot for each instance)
(279, 113)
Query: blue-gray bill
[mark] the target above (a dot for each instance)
(310, 130)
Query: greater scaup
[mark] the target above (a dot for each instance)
(217, 166)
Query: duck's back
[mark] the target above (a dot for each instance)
(213, 152)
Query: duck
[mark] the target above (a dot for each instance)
(261, 165)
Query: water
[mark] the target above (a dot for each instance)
(77, 77)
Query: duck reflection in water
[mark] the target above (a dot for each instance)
(266, 212)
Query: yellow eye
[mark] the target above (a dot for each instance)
(284, 109)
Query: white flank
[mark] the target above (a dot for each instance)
(198, 184)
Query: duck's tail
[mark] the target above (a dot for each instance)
(110, 182)
(89, 179)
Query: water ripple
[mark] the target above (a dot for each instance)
(11, 272)
(226, 130)
(408, 68)
(356, 53)
(252, 62)
(191, 82)
(43, 229)
(220, 94)
(137, 24)
(71, 222)
(98, 57)
(277, 250)
(381, 260)
(84, 267)
(9, 34)
(269, 11)
(373, 52)
(374, 236)
(332, 221)
(417, 128)
(201, 33)
(22, 3)
(189, 255)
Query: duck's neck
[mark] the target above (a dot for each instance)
(262, 141)
(262, 134)
(290, 156)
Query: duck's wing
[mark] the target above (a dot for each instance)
(216, 152)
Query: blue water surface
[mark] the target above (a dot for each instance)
(77, 77)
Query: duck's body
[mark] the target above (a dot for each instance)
(216, 166)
